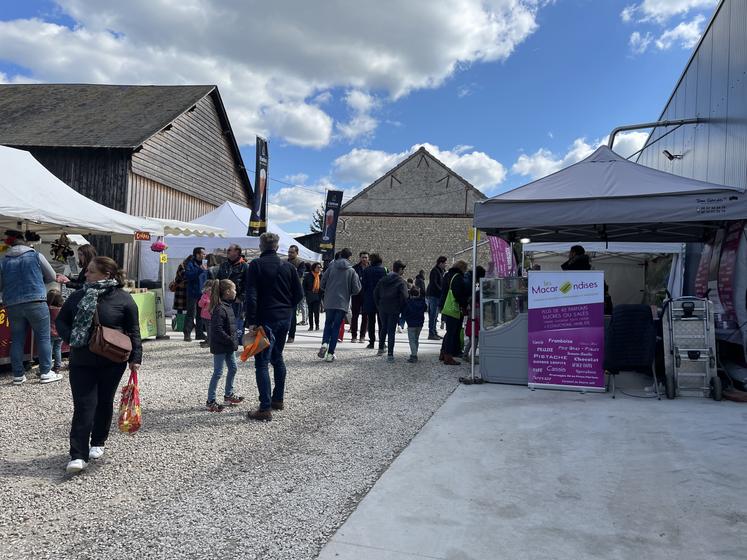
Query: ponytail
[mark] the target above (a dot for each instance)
(214, 295)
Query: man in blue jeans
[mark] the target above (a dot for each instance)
(273, 290)
(23, 275)
(433, 296)
(340, 282)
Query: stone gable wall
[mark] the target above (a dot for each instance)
(416, 241)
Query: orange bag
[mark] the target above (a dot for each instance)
(130, 417)
(254, 344)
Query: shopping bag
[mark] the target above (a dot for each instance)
(130, 417)
(254, 344)
(451, 306)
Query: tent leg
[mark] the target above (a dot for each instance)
(473, 347)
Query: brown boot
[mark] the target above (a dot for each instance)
(264, 415)
(441, 356)
(449, 361)
(277, 405)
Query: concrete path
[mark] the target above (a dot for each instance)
(505, 472)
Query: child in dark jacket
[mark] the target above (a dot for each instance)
(414, 314)
(223, 344)
(55, 302)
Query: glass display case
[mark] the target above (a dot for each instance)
(502, 300)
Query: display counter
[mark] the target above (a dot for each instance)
(504, 330)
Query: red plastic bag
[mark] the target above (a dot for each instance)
(130, 417)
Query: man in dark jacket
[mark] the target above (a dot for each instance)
(433, 296)
(577, 259)
(420, 284)
(356, 302)
(371, 277)
(390, 296)
(195, 272)
(273, 291)
(234, 269)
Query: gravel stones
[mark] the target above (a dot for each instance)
(198, 484)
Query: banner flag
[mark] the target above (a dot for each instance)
(258, 219)
(329, 231)
(502, 256)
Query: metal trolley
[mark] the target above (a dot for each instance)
(690, 348)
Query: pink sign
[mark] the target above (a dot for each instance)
(566, 330)
(726, 270)
(502, 256)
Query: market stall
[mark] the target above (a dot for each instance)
(229, 217)
(604, 199)
(32, 198)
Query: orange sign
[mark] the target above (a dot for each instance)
(142, 236)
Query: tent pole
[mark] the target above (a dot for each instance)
(472, 346)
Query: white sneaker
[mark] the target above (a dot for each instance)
(399, 330)
(50, 377)
(19, 380)
(322, 351)
(75, 466)
(95, 452)
(329, 358)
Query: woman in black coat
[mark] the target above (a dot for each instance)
(312, 289)
(94, 378)
(454, 284)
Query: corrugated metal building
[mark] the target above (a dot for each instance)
(713, 87)
(161, 151)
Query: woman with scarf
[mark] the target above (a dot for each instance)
(313, 291)
(94, 378)
(454, 302)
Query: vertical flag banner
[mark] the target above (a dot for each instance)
(329, 227)
(566, 330)
(502, 256)
(258, 220)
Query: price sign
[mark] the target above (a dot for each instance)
(142, 236)
(164, 258)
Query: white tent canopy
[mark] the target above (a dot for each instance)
(177, 227)
(234, 219)
(31, 195)
(607, 198)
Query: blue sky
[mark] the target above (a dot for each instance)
(503, 91)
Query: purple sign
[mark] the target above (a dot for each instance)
(566, 330)
(502, 256)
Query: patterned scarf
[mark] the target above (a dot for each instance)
(86, 308)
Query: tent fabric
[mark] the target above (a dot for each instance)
(177, 227)
(608, 198)
(31, 194)
(232, 218)
(596, 247)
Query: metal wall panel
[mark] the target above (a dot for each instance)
(703, 108)
(719, 97)
(713, 87)
(736, 121)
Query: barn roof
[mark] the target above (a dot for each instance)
(93, 116)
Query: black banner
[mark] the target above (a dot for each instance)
(329, 225)
(258, 220)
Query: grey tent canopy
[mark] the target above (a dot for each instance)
(608, 198)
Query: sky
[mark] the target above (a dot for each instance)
(501, 91)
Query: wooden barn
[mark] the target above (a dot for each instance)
(160, 151)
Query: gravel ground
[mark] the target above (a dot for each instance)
(195, 484)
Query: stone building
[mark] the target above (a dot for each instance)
(417, 211)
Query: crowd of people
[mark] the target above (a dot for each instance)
(222, 303)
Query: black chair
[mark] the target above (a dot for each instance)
(630, 342)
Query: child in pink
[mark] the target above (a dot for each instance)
(205, 310)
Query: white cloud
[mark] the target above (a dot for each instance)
(274, 68)
(297, 179)
(639, 43)
(660, 11)
(364, 166)
(687, 34)
(296, 204)
(544, 162)
(361, 124)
